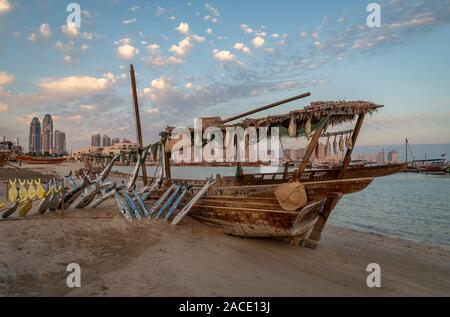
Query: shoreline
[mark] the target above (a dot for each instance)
(153, 258)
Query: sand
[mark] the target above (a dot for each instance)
(153, 258)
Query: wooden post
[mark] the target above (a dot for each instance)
(62, 197)
(299, 172)
(316, 234)
(330, 204)
(348, 155)
(140, 141)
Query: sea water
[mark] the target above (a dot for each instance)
(405, 205)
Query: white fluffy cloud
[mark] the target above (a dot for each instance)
(32, 37)
(246, 29)
(77, 85)
(183, 28)
(45, 30)
(213, 15)
(130, 21)
(127, 51)
(258, 42)
(224, 56)
(241, 47)
(5, 6)
(6, 79)
(70, 29)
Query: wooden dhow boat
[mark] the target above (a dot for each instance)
(252, 208)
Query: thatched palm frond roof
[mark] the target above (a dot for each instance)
(340, 111)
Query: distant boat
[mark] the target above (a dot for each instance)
(427, 166)
(40, 160)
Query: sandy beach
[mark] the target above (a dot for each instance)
(153, 258)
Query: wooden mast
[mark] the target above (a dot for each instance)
(348, 155)
(331, 202)
(140, 141)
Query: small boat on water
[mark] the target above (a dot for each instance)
(436, 166)
(40, 160)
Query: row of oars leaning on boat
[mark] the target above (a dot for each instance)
(92, 192)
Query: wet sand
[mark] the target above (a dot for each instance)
(153, 258)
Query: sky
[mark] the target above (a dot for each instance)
(218, 58)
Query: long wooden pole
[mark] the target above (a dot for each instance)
(332, 201)
(272, 105)
(348, 155)
(138, 121)
(312, 145)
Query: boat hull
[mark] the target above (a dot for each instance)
(259, 223)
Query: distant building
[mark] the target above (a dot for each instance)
(60, 142)
(47, 134)
(106, 141)
(380, 159)
(115, 141)
(34, 139)
(392, 156)
(96, 140)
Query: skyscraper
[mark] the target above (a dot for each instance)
(60, 142)
(34, 139)
(115, 141)
(47, 134)
(106, 141)
(96, 140)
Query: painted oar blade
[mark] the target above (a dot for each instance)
(193, 201)
(123, 207)
(10, 210)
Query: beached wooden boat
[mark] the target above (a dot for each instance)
(40, 160)
(247, 205)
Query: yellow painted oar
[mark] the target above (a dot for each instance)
(23, 193)
(40, 189)
(31, 190)
(27, 205)
(1, 204)
(13, 193)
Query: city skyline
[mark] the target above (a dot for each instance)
(208, 58)
(42, 139)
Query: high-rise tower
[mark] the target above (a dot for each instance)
(34, 140)
(47, 134)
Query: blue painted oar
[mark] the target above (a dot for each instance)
(132, 205)
(161, 199)
(176, 203)
(168, 202)
(140, 203)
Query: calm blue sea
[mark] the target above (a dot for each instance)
(410, 206)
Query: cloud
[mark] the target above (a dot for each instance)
(88, 107)
(246, 29)
(32, 37)
(128, 22)
(65, 47)
(5, 7)
(70, 29)
(213, 14)
(45, 30)
(6, 79)
(258, 42)
(152, 110)
(3, 107)
(241, 47)
(77, 85)
(160, 11)
(84, 47)
(127, 51)
(225, 56)
(183, 28)
(209, 31)
(69, 59)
